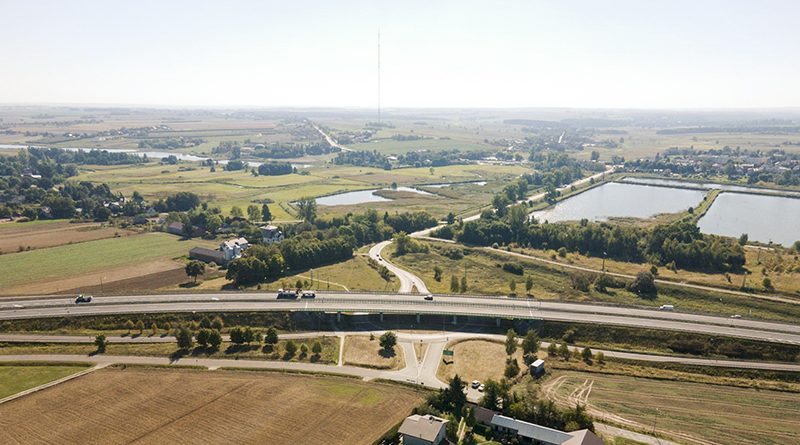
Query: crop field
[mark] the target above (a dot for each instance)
(16, 237)
(70, 266)
(16, 378)
(116, 406)
(476, 360)
(689, 412)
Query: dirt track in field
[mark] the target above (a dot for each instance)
(150, 406)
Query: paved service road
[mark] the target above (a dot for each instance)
(499, 307)
(408, 281)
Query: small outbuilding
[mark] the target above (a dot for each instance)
(537, 368)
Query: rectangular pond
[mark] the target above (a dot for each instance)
(763, 218)
(618, 200)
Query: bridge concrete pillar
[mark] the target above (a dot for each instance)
(381, 317)
(498, 321)
(455, 319)
(418, 317)
(338, 317)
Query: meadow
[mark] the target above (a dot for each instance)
(17, 378)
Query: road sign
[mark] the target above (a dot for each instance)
(448, 353)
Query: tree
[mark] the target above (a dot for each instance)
(236, 212)
(512, 286)
(743, 239)
(528, 284)
(194, 268)
(205, 322)
(129, 326)
(437, 273)
(266, 215)
(217, 323)
(203, 337)
(512, 368)
(511, 342)
(388, 340)
(601, 358)
(644, 284)
(767, 282)
(303, 350)
(154, 328)
(587, 355)
(291, 348)
(248, 335)
(140, 327)
(253, 214)
(184, 338)
(552, 350)
(101, 342)
(492, 392)
(463, 284)
(316, 348)
(307, 209)
(214, 339)
(454, 396)
(530, 343)
(564, 352)
(454, 284)
(271, 337)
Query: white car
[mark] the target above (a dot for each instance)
(736, 316)
(475, 384)
(481, 388)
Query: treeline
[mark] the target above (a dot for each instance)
(676, 245)
(325, 241)
(284, 151)
(275, 169)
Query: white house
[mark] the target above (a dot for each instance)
(271, 234)
(422, 430)
(233, 249)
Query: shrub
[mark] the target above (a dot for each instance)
(514, 268)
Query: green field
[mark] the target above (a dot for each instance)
(680, 409)
(75, 259)
(240, 188)
(14, 379)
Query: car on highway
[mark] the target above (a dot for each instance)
(287, 294)
(429, 297)
(83, 299)
(475, 384)
(666, 307)
(308, 294)
(736, 316)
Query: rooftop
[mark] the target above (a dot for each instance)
(422, 427)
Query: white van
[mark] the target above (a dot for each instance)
(666, 307)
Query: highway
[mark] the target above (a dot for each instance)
(455, 306)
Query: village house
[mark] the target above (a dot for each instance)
(423, 430)
(530, 433)
(233, 249)
(271, 234)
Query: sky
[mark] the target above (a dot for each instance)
(499, 54)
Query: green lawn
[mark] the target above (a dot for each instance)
(75, 259)
(14, 379)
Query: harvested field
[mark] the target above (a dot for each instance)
(24, 236)
(359, 350)
(476, 360)
(688, 412)
(159, 406)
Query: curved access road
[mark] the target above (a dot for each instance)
(408, 281)
(455, 306)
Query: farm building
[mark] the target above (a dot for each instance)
(530, 433)
(423, 430)
(234, 248)
(271, 234)
(207, 255)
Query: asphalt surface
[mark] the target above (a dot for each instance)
(408, 281)
(500, 307)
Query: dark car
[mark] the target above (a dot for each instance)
(287, 294)
(83, 299)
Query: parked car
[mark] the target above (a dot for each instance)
(429, 297)
(475, 384)
(481, 388)
(83, 299)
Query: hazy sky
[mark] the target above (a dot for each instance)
(460, 53)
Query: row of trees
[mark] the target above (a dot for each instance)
(679, 244)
